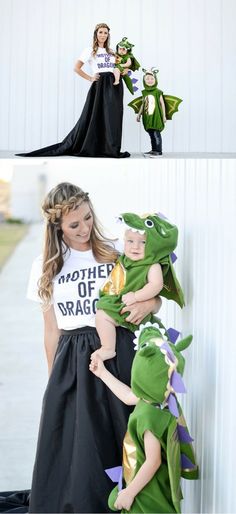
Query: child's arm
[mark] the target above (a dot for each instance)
(163, 108)
(122, 391)
(151, 289)
(150, 466)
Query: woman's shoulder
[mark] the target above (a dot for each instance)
(86, 54)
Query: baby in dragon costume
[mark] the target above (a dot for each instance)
(142, 272)
(125, 60)
(157, 448)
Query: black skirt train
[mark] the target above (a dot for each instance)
(98, 131)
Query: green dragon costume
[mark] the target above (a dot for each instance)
(152, 113)
(149, 106)
(155, 379)
(129, 275)
(124, 43)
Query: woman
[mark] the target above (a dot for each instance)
(99, 129)
(82, 424)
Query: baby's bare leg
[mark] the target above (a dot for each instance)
(106, 328)
(116, 72)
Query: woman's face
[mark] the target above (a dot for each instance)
(102, 35)
(76, 227)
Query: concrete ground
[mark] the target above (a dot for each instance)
(10, 154)
(23, 371)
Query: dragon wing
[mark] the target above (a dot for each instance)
(171, 104)
(135, 64)
(136, 104)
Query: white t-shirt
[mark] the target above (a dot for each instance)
(101, 62)
(75, 288)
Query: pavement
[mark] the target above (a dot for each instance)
(23, 370)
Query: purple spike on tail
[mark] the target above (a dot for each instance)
(183, 434)
(177, 383)
(172, 404)
(173, 257)
(114, 473)
(186, 463)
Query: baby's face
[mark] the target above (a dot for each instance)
(149, 80)
(122, 50)
(134, 245)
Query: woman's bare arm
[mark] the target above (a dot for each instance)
(78, 69)
(51, 336)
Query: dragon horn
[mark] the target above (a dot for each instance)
(144, 71)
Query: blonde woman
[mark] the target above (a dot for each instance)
(82, 423)
(99, 129)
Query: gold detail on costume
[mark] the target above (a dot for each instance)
(116, 280)
(181, 421)
(129, 458)
(149, 104)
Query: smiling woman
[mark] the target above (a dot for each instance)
(82, 425)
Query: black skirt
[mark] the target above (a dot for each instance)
(98, 131)
(82, 427)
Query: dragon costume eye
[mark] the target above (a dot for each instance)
(149, 223)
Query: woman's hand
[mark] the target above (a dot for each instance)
(124, 500)
(95, 77)
(139, 310)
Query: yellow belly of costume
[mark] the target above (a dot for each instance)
(116, 280)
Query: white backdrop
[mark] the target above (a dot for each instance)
(200, 197)
(192, 42)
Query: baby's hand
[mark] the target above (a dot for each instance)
(129, 298)
(103, 353)
(124, 500)
(96, 365)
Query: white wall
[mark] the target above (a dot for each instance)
(200, 197)
(192, 42)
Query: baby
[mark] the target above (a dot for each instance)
(125, 61)
(136, 277)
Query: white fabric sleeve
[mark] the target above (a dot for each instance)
(85, 55)
(35, 274)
